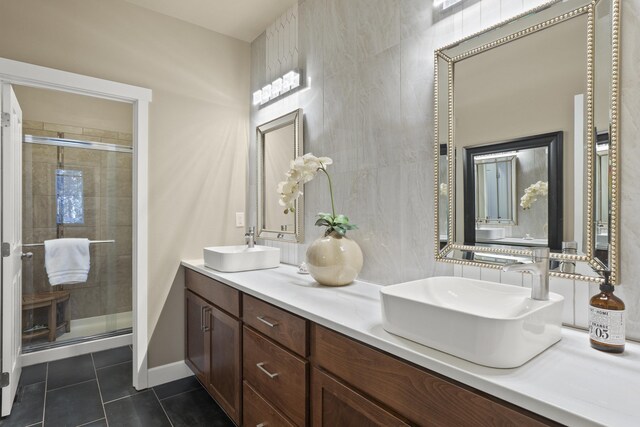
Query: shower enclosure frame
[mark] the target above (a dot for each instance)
(20, 73)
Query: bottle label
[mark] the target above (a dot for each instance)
(606, 326)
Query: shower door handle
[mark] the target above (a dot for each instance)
(27, 255)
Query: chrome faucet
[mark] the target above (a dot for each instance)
(250, 237)
(539, 268)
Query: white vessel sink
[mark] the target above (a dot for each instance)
(487, 323)
(490, 233)
(241, 258)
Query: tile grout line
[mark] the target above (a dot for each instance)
(162, 406)
(71, 385)
(111, 366)
(104, 411)
(91, 422)
(46, 384)
(124, 397)
(178, 394)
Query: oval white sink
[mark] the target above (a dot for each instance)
(484, 322)
(241, 258)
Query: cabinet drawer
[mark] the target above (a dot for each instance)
(222, 295)
(258, 412)
(415, 393)
(279, 325)
(277, 374)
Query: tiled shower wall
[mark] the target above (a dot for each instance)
(107, 216)
(368, 104)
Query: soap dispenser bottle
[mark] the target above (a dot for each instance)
(606, 318)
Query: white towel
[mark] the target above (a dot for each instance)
(66, 260)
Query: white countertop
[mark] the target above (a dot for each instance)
(570, 382)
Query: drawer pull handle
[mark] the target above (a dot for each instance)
(266, 322)
(261, 367)
(261, 425)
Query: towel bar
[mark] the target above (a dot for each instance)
(30, 245)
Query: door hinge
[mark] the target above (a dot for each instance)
(4, 379)
(6, 119)
(6, 249)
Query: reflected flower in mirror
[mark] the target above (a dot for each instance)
(532, 192)
(444, 189)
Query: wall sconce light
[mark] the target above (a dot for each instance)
(446, 4)
(277, 88)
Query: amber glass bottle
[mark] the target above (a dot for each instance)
(606, 319)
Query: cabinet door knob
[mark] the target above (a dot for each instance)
(266, 322)
(261, 367)
(27, 255)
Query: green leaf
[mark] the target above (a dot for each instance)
(341, 231)
(341, 219)
(326, 216)
(321, 222)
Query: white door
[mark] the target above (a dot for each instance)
(11, 208)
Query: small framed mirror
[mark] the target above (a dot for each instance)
(279, 142)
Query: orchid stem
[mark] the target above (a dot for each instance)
(333, 208)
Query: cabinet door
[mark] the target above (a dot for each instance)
(197, 340)
(335, 404)
(225, 376)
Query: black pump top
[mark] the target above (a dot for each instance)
(606, 286)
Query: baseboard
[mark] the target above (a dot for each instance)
(167, 373)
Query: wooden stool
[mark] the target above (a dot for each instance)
(50, 300)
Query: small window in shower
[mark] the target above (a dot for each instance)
(69, 199)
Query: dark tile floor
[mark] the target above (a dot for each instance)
(95, 390)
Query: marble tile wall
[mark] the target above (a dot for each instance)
(107, 185)
(368, 105)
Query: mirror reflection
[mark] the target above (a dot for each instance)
(508, 189)
(279, 142)
(547, 74)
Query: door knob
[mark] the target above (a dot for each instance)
(27, 255)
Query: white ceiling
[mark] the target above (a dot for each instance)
(241, 19)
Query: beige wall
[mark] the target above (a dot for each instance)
(198, 125)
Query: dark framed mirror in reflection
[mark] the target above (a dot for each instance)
(526, 129)
(513, 192)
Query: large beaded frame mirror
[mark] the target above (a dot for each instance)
(447, 247)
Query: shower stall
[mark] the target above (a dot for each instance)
(76, 185)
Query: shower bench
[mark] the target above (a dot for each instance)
(50, 301)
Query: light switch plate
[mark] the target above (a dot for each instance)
(239, 219)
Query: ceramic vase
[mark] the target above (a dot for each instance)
(334, 260)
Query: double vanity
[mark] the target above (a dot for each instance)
(274, 347)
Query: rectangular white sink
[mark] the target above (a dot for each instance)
(241, 258)
(487, 323)
(490, 233)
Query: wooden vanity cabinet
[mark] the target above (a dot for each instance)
(213, 334)
(279, 369)
(413, 393)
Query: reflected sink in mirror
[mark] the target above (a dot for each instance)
(230, 259)
(490, 233)
(487, 323)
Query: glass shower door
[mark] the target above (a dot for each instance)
(77, 191)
